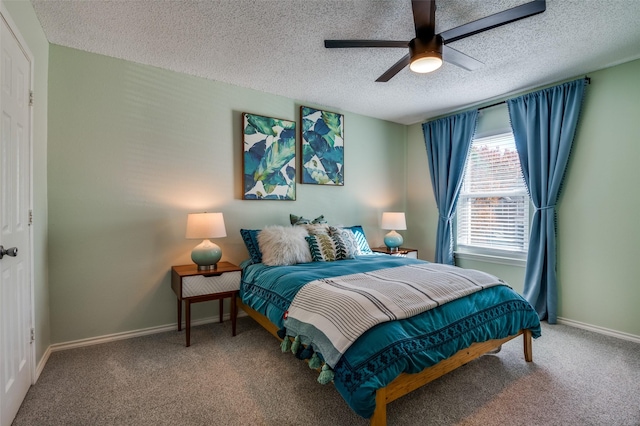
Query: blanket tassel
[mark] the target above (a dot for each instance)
(326, 375)
(306, 353)
(295, 345)
(286, 344)
(315, 362)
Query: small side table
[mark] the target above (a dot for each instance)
(402, 252)
(194, 286)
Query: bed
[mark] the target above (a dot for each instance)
(393, 357)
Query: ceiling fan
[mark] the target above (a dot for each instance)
(428, 49)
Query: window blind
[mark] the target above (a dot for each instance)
(493, 207)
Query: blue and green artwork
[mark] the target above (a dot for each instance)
(269, 158)
(322, 147)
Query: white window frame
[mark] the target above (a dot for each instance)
(488, 254)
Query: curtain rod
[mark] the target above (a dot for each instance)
(587, 79)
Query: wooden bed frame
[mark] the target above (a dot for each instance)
(406, 383)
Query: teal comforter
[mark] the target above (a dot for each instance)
(391, 348)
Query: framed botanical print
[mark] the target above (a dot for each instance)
(269, 158)
(322, 142)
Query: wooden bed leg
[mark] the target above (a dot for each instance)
(528, 351)
(379, 417)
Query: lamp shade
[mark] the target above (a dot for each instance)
(205, 225)
(393, 221)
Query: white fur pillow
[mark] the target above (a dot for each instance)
(284, 245)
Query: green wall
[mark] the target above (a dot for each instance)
(133, 149)
(23, 16)
(598, 230)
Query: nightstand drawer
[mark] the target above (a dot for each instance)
(411, 254)
(198, 285)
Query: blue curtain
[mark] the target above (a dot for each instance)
(448, 140)
(544, 125)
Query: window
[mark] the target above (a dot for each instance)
(493, 208)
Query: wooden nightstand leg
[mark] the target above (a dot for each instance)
(234, 314)
(187, 314)
(179, 315)
(220, 308)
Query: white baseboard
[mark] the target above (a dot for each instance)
(131, 334)
(599, 330)
(41, 364)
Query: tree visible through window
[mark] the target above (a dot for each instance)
(493, 207)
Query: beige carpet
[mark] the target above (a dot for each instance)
(577, 378)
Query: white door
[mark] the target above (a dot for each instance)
(15, 268)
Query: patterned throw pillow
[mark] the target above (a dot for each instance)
(328, 248)
(250, 238)
(300, 220)
(317, 228)
(348, 239)
(361, 239)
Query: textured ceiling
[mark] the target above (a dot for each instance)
(276, 46)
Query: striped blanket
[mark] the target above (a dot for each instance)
(331, 313)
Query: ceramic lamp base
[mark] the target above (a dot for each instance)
(206, 255)
(393, 240)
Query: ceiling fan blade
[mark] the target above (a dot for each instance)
(424, 18)
(492, 21)
(395, 69)
(333, 44)
(458, 58)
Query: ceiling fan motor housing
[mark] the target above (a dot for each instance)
(428, 53)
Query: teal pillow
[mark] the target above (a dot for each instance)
(250, 238)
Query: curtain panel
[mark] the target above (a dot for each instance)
(447, 141)
(544, 125)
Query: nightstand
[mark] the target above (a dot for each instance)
(402, 252)
(194, 286)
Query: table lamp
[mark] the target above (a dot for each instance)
(204, 226)
(393, 221)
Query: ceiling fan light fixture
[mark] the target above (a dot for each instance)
(425, 56)
(425, 64)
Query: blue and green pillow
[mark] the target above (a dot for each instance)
(250, 238)
(361, 239)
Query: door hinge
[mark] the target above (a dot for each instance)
(31, 98)
(33, 335)
(30, 217)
